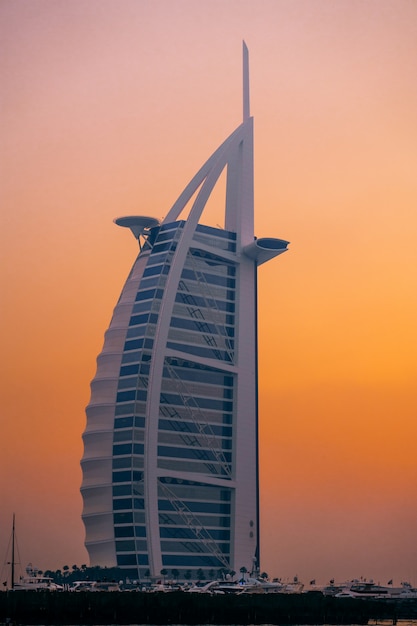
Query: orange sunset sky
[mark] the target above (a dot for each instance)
(108, 108)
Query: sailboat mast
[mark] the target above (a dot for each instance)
(13, 542)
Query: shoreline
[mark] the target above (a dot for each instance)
(65, 608)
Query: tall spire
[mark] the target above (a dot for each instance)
(246, 111)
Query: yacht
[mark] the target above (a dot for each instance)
(364, 589)
(35, 582)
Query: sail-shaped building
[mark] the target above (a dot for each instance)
(170, 464)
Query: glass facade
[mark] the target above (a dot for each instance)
(195, 421)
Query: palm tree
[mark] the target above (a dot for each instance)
(163, 573)
(221, 573)
(175, 573)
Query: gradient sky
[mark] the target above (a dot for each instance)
(108, 108)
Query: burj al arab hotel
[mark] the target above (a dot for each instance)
(170, 463)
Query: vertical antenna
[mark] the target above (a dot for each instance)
(246, 111)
